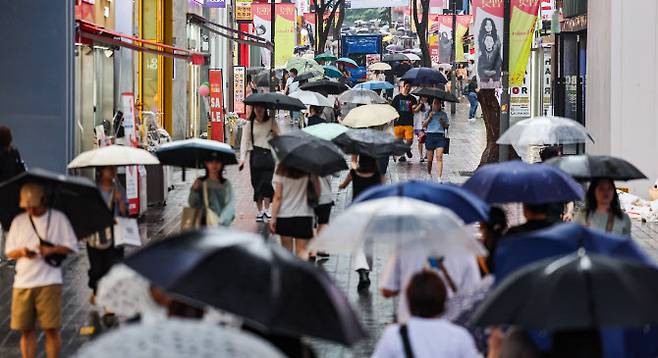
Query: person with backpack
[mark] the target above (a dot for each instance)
(11, 163)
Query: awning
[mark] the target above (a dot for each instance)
(229, 33)
(89, 31)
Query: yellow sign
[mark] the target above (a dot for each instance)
(243, 11)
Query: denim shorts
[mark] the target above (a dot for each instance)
(434, 141)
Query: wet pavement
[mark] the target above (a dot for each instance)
(467, 142)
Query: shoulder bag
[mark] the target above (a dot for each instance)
(104, 239)
(54, 260)
(194, 218)
(261, 158)
(406, 343)
(446, 149)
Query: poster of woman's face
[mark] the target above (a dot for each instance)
(489, 64)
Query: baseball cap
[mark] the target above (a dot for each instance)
(31, 196)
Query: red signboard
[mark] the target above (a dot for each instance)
(216, 80)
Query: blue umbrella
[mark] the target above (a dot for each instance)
(424, 76)
(348, 62)
(332, 71)
(466, 205)
(519, 182)
(375, 85)
(516, 251)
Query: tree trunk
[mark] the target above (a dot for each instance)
(421, 29)
(491, 114)
(339, 22)
(325, 25)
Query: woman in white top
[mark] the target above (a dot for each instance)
(423, 108)
(292, 216)
(426, 334)
(255, 148)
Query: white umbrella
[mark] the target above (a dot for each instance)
(545, 131)
(370, 115)
(412, 56)
(311, 98)
(380, 66)
(125, 293)
(400, 221)
(361, 96)
(176, 338)
(116, 155)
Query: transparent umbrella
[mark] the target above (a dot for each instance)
(311, 98)
(125, 293)
(361, 96)
(545, 131)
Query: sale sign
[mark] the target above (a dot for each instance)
(216, 96)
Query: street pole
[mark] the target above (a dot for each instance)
(505, 97)
(453, 79)
(272, 33)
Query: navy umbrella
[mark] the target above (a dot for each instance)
(191, 153)
(588, 167)
(519, 250)
(436, 93)
(519, 182)
(424, 76)
(467, 206)
(241, 274)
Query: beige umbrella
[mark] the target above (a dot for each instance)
(116, 155)
(380, 66)
(370, 115)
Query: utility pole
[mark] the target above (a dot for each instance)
(453, 79)
(505, 96)
(272, 33)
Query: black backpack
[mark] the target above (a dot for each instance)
(10, 164)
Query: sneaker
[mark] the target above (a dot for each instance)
(422, 160)
(260, 217)
(364, 280)
(268, 214)
(410, 155)
(402, 159)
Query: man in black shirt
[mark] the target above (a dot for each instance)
(405, 104)
(535, 215)
(314, 117)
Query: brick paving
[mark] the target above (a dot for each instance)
(467, 142)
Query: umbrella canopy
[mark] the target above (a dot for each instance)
(578, 291)
(242, 274)
(370, 115)
(467, 206)
(436, 93)
(309, 75)
(380, 66)
(125, 293)
(375, 85)
(308, 153)
(311, 98)
(400, 221)
(77, 197)
(545, 131)
(325, 57)
(424, 77)
(519, 182)
(275, 100)
(332, 71)
(412, 56)
(325, 87)
(370, 142)
(347, 62)
(588, 167)
(191, 153)
(326, 131)
(393, 57)
(303, 65)
(361, 96)
(394, 48)
(173, 338)
(559, 240)
(114, 155)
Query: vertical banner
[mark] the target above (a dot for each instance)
(488, 34)
(130, 139)
(522, 29)
(463, 22)
(520, 96)
(262, 18)
(284, 43)
(216, 3)
(215, 78)
(309, 24)
(238, 89)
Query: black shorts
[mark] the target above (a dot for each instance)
(322, 213)
(299, 227)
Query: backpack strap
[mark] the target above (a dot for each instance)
(205, 194)
(406, 343)
(41, 239)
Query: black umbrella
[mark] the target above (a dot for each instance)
(191, 153)
(392, 57)
(588, 167)
(370, 142)
(275, 100)
(241, 274)
(325, 86)
(436, 93)
(307, 76)
(77, 197)
(424, 76)
(573, 292)
(308, 153)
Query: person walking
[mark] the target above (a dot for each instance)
(11, 163)
(419, 117)
(214, 192)
(426, 333)
(436, 125)
(602, 209)
(472, 94)
(37, 289)
(462, 75)
(365, 176)
(292, 216)
(405, 104)
(255, 148)
(315, 117)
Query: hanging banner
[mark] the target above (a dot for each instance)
(216, 3)
(488, 33)
(130, 139)
(463, 23)
(238, 89)
(216, 96)
(520, 97)
(371, 4)
(308, 23)
(522, 29)
(284, 43)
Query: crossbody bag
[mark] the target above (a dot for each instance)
(54, 260)
(261, 158)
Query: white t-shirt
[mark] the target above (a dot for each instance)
(420, 116)
(35, 272)
(401, 267)
(326, 194)
(435, 338)
(294, 202)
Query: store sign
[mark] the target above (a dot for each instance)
(216, 3)
(216, 80)
(243, 11)
(238, 89)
